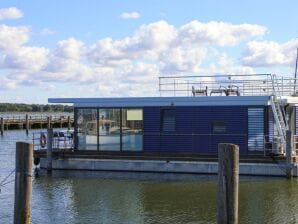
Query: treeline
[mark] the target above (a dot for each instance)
(16, 107)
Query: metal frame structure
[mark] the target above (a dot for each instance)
(230, 85)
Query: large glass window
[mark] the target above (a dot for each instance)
(109, 129)
(87, 129)
(132, 129)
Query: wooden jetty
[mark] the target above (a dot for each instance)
(27, 122)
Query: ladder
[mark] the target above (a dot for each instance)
(279, 113)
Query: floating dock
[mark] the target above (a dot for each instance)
(255, 165)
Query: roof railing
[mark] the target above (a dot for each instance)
(227, 85)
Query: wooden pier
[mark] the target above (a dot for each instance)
(27, 122)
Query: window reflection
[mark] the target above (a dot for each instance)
(132, 129)
(87, 129)
(109, 129)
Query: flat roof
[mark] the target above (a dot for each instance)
(166, 101)
(291, 100)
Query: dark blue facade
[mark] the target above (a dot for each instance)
(193, 129)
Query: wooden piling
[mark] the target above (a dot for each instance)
(61, 122)
(49, 149)
(23, 183)
(27, 124)
(68, 123)
(2, 125)
(289, 158)
(49, 122)
(228, 183)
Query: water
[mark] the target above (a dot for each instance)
(107, 197)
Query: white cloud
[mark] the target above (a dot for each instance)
(106, 50)
(64, 63)
(270, 53)
(224, 64)
(182, 59)
(130, 15)
(140, 73)
(69, 49)
(219, 33)
(129, 66)
(50, 87)
(47, 32)
(12, 37)
(27, 58)
(151, 41)
(7, 84)
(156, 36)
(10, 13)
(172, 50)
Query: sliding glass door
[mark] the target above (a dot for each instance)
(87, 129)
(132, 129)
(109, 129)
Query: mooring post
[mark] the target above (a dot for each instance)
(2, 125)
(27, 124)
(289, 147)
(49, 149)
(23, 183)
(228, 183)
(49, 122)
(68, 123)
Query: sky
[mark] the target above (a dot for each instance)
(72, 48)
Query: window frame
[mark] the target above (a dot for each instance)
(162, 112)
(76, 145)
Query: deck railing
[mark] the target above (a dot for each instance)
(65, 140)
(227, 85)
(34, 117)
(61, 140)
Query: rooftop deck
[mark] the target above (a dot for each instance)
(227, 85)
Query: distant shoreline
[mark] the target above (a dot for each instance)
(21, 107)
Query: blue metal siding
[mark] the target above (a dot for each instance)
(238, 140)
(151, 121)
(194, 129)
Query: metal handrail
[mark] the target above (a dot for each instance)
(272, 143)
(34, 117)
(258, 84)
(59, 141)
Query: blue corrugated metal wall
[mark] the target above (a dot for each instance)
(194, 129)
(151, 139)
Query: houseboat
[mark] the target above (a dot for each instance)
(179, 131)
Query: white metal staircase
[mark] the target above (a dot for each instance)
(279, 114)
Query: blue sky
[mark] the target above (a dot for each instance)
(119, 48)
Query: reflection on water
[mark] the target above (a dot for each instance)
(125, 198)
(111, 197)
